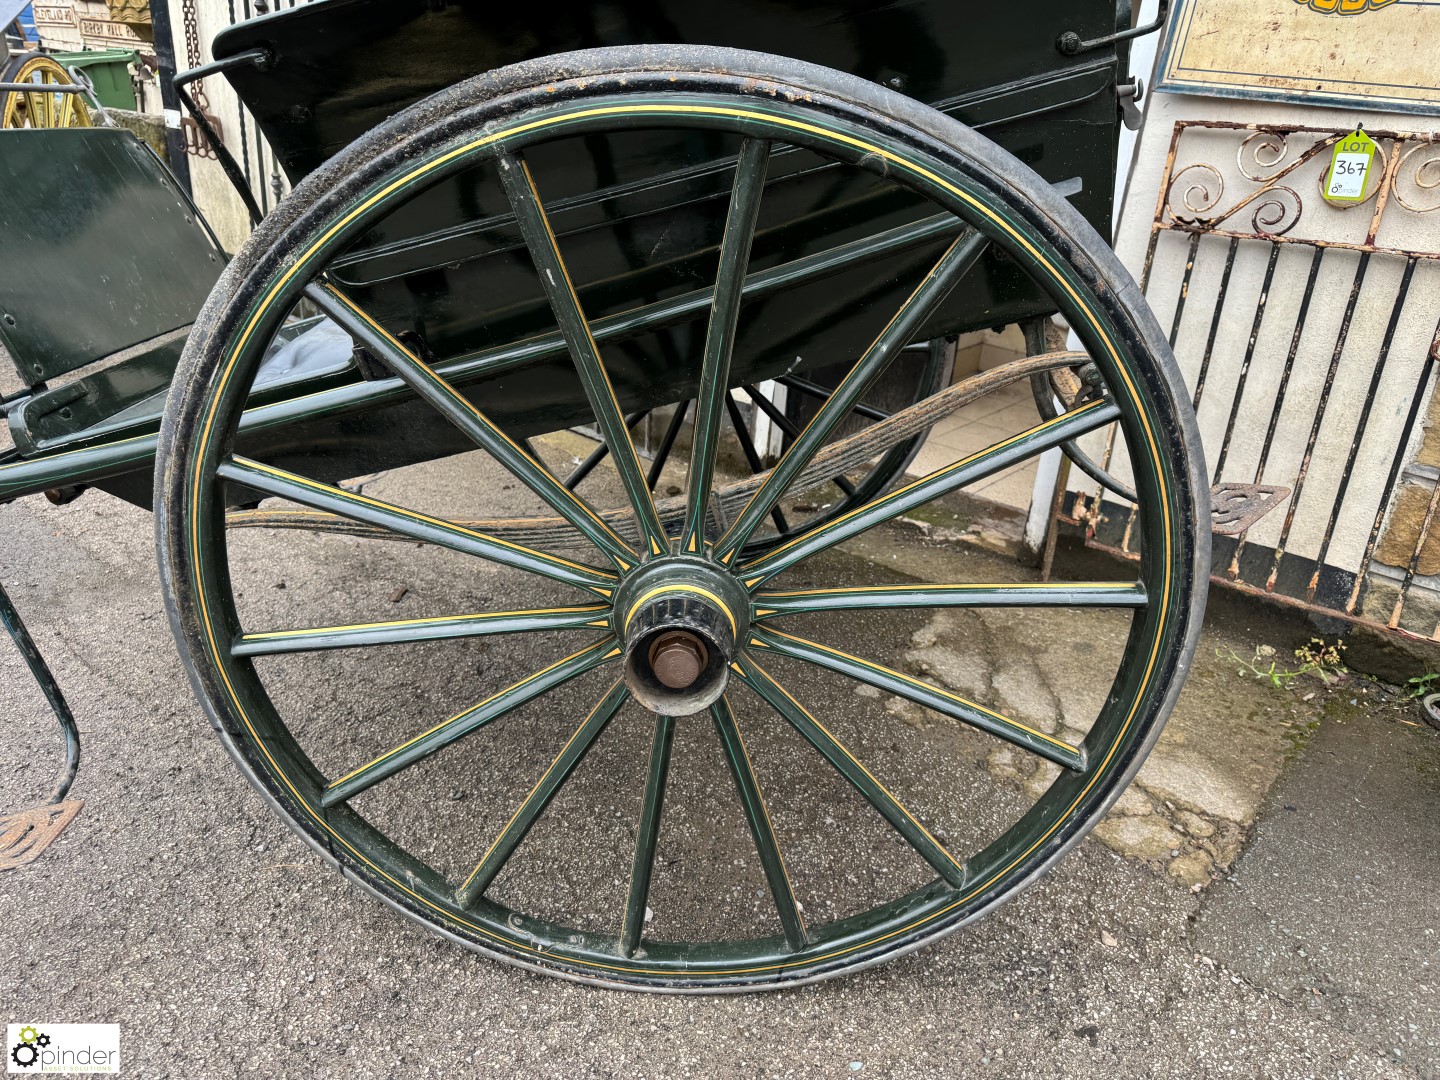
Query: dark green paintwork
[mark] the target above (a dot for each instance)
(774, 605)
(294, 425)
(101, 251)
(752, 802)
(714, 389)
(895, 682)
(640, 213)
(401, 631)
(342, 66)
(647, 834)
(544, 250)
(363, 508)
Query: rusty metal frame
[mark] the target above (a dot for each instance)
(1191, 201)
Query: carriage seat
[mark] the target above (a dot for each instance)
(104, 263)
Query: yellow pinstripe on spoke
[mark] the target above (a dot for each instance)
(389, 754)
(937, 691)
(485, 616)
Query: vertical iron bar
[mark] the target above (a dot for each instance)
(1394, 620)
(1184, 288)
(1245, 363)
(1396, 463)
(240, 112)
(1215, 321)
(1233, 571)
(1360, 426)
(169, 100)
(1325, 389)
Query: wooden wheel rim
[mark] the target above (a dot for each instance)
(200, 423)
(24, 108)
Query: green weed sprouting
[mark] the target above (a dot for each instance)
(1324, 661)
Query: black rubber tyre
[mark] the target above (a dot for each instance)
(863, 126)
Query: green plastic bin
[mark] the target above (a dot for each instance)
(108, 70)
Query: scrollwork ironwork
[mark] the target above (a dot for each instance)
(1274, 163)
(1424, 177)
(1263, 142)
(1272, 214)
(1195, 191)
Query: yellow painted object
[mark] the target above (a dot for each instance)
(38, 109)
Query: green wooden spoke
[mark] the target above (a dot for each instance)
(541, 794)
(836, 753)
(458, 409)
(421, 527)
(753, 803)
(401, 631)
(771, 605)
(720, 335)
(461, 724)
(560, 290)
(928, 295)
(942, 701)
(648, 833)
(977, 466)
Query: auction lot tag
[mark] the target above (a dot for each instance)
(62, 1048)
(1350, 167)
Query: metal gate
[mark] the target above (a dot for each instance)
(1308, 331)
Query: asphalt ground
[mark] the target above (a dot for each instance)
(180, 907)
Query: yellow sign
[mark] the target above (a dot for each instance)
(1382, 56)
(1344, 7)
(1350, 168)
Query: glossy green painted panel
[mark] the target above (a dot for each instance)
(101, 252)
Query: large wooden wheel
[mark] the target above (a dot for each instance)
(683, 632)
(40, 108)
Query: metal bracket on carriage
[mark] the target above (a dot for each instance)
(834, 460)
(1236, 507)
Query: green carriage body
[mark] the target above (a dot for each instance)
(639, 214)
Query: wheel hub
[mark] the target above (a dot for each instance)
(681, 621)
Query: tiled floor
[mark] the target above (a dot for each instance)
(980, 424)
